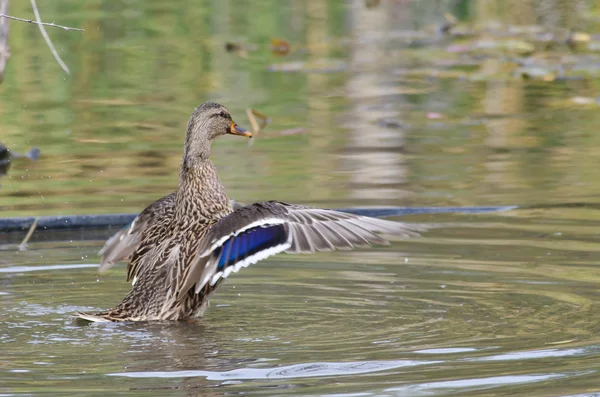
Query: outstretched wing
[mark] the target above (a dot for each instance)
(120, 246)
(257, 231)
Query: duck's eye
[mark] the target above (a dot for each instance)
(224, 115)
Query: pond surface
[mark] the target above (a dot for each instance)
(385, 110)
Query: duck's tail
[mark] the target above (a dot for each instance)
(113, 315)
(96, 318)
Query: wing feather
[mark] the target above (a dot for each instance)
(125, 242)
(257, 231)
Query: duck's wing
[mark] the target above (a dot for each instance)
(257, 231)
(236, 205)
(120, 246)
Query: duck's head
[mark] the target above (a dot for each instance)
(208, 121)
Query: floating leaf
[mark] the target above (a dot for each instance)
(280, 46)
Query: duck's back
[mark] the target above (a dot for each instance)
(169, 245)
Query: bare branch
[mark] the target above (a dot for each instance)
(23, 245)
(47, 38)
(40, 23)
(4, 50)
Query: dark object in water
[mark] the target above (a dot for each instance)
(6, 157)
(236, 48)
(232, 47)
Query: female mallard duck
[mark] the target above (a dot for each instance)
(184, 245)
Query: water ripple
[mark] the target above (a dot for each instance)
(306, 370)
(426, 389)
(38, 268)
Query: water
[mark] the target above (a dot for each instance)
(392, 113)
(487, 305)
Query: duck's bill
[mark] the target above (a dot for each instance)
(237, 130)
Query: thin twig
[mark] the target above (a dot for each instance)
(252, 120)
(253, 125)
(4, 50)
(252, 114)
(47, 38)
(40, 23)
(23, 245)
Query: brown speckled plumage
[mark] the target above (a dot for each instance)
(170, 230)
(182, 246)
(120, 246)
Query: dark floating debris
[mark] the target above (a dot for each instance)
(390, 123)
(232, 47)
(237, 49)
(6, 157)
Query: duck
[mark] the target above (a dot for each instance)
(6, 157)
(183, 246)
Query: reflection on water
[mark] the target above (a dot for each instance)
(486, 303)
(467, 385)
(394, 112)
(405, 121)
(43, 268)
(309, 370)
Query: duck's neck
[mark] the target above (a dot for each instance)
(200, 194)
